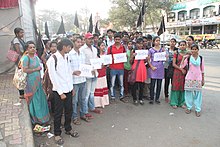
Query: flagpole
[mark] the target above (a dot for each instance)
(163, 32)
(141, 15)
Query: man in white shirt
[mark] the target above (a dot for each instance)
(61, 78)
(76, 58)
(90, 53)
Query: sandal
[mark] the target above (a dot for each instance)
(183, 106)
(166, 99)
(76, 121)
(59, 140)
(72, 133)
(198, 114)
(97, 111)
(174, 107)
(21, 97)
(188, 111)
(124, 100)
(86, 119)
(89, 116)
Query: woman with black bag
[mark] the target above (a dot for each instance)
(139, 68)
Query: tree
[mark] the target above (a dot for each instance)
(124, 13)
(50, 16)
(53, 19)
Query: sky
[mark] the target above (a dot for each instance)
(71, 6)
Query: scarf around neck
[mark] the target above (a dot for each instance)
(182, 51)
(194, 61)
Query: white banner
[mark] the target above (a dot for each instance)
(96, 63)
(107, 59)
(86, 70)
(120, 58)
(160, 56)
(141, 54)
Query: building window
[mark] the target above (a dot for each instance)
(182, 15)
(171, 17)
(210, 29)
(194, 13)
(196, 30)
(208, 11)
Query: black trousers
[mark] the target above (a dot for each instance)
(158, 89)
(140, 87)
(59, 106)
(108, 77)
(166, 83)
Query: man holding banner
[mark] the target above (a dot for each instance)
(90, 53)
(117, 67)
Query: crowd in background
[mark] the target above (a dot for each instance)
(183, 70)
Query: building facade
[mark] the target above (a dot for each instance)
(194, 17)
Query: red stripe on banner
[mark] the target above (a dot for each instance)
(4, 4)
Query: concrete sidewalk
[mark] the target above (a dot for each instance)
(15, 124)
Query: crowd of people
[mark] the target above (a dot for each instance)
(183, 70)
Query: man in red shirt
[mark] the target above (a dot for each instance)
(117, 69)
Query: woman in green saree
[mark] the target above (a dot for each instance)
(34, 94)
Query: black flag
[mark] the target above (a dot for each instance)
(142, 12)
(39, 45)
(162, 27)
(96, 28)
(35, 27)
(47, 31)
(61, 29)
(90, 24)
(76, 21)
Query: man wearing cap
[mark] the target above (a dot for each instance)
(90, 52)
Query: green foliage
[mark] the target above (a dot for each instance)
(124, 13)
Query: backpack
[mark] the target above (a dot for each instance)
(47, 84)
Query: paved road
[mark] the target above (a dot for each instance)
(126, 125)
(15, 125)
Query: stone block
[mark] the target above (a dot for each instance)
(1, 136)
(15, 141)
(2, 144)
(16, 136)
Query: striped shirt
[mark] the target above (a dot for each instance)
(75, 60)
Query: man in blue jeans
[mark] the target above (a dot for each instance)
(79, 83)
(90, 53)
(117, 69)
